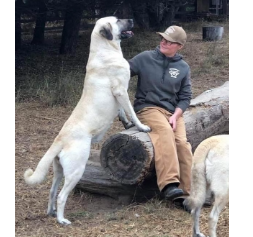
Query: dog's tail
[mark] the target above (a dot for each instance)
(199, 181)
(37, 177)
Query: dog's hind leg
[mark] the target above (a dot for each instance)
(219, 204)
(73, 161)
(58, 174)
(195, 217)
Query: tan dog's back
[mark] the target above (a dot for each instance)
(210, 170)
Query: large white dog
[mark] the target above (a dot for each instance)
(210, 172)
(104, 94)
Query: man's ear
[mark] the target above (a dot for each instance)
(180, 46)
(106, 31)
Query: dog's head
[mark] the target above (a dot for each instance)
(113, 28)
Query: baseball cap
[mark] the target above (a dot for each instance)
(174, 34)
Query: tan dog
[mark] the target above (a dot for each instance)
(210, 172)
(104, 95)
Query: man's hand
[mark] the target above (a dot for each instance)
(173, 122)
(173, 119)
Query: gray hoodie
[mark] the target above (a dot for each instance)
(162, 81)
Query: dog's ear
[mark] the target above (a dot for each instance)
(106, 31)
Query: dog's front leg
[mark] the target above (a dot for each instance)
(122, 117)
(122, 97)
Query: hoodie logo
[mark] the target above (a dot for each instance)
(174, 72)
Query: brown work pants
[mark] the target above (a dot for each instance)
(173, 154)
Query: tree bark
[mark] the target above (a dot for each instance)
(71, 29)
(208, 115)
(18, 5)
(127, 158)
(39, 31)
(140, 13)
(169, 16)
(123, 11)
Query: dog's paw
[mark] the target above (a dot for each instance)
(129, 125)
(199, 235)
(64, 221)
(52, 213)
(144, 128)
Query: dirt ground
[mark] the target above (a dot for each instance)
(91, 215)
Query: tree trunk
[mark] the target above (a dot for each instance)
(123, 11)
(38, 36)
(140, 13)
(127, 158)
(70, 29)
(18, 5)
(169, 16)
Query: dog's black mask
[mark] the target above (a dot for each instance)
(126, 25)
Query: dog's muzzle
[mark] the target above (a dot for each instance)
(125, 34)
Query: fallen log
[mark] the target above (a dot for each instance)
(208, 115)
(96, 180)
(127, 158)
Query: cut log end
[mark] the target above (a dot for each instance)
(126, 159)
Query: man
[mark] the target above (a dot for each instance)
(163, 94)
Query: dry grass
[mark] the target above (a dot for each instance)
(91, 215)
(38, 70)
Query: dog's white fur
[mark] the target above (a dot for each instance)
(104, 95)
(210, 172)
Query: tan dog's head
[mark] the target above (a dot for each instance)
(113, 28)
